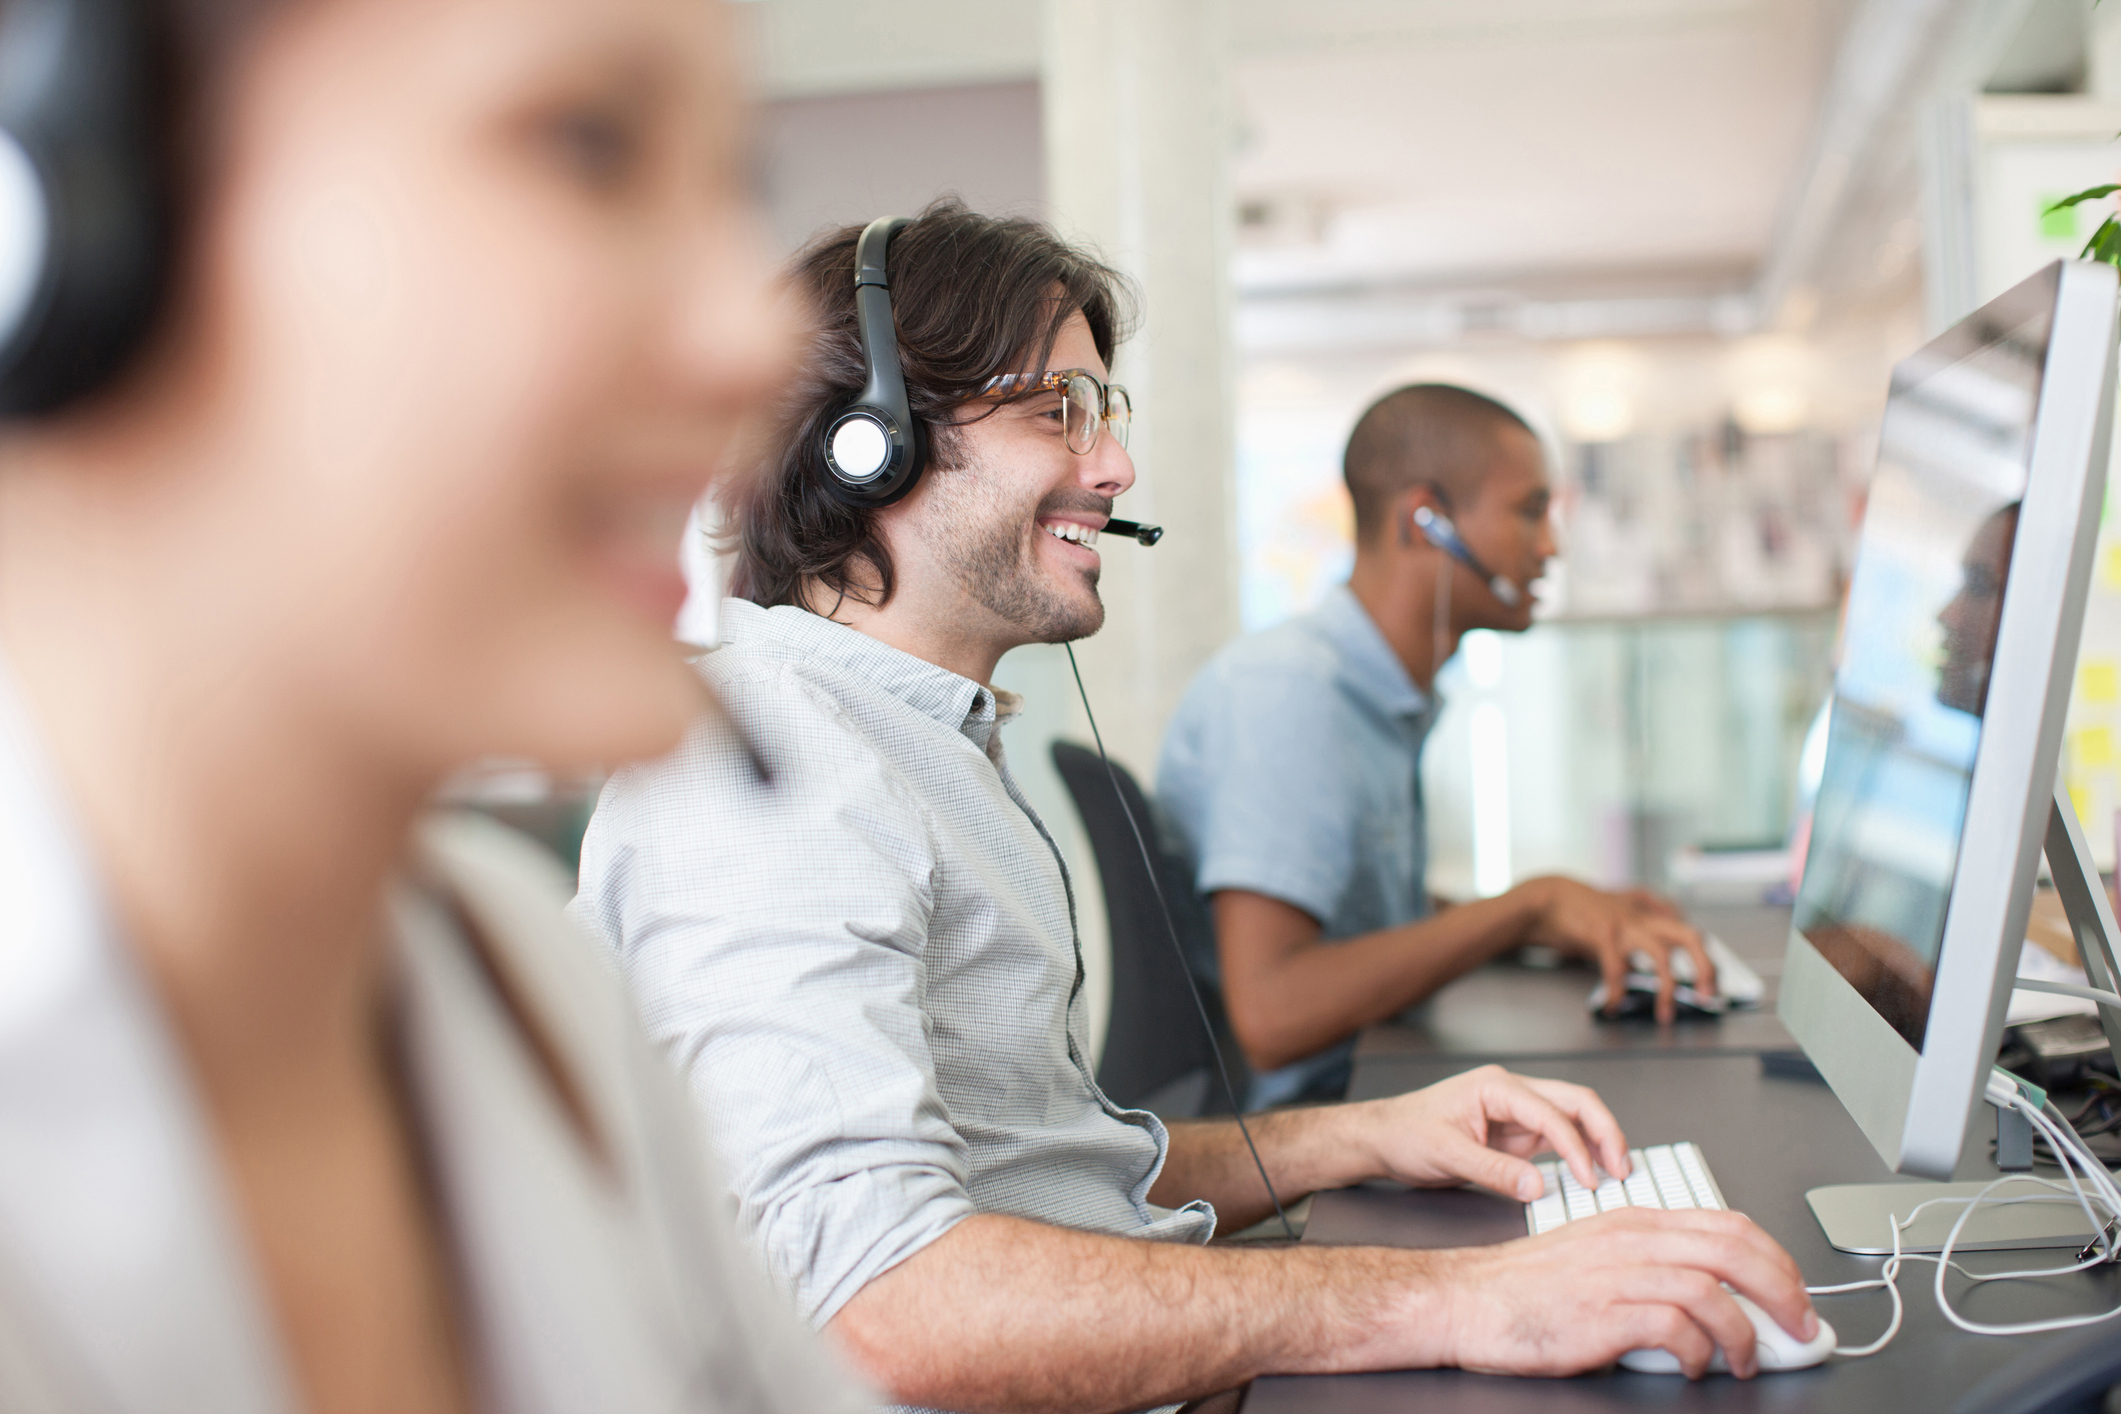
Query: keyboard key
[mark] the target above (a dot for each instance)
(1671, 1183)
(1659, 1176)
(1697, 1176)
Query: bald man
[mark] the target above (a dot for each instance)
(1293, 765)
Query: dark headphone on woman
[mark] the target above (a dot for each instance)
(874, 448)
(85, 195)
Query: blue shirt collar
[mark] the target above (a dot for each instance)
(1367, 662)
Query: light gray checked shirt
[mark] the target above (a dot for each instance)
(867, 970)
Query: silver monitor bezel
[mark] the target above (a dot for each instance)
(1916, 1106)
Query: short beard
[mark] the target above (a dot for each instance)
(977, 533)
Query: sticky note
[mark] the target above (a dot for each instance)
(2095, 748)
(2110, 567)
(2099, 682)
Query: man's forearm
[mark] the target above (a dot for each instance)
(1303, 1151)
(1296, 1001)
(1005, 1314)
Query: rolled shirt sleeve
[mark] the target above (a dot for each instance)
(794, 1010)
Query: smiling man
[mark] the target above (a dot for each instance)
(869, 971)
(1293, 765)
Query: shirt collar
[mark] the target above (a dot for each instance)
(1367, 661)
(797, 635)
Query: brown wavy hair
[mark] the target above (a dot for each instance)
(974, 297)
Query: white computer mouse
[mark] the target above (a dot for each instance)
(1778, 1349)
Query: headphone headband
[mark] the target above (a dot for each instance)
(874, 448)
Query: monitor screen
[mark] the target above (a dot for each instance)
(1920, 636)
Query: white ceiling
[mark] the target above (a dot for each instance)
(1573, 150)
(1469, 138)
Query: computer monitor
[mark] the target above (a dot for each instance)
(1964, 611)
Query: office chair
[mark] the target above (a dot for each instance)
(1156, 1056)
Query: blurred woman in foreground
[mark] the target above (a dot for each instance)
(306, 1102)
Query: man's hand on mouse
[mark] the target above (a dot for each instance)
(1609, 929)
(1581, 1296)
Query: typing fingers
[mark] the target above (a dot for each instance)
(1514, 1100)
(1582, 1105)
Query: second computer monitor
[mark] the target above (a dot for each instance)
(1964, 611)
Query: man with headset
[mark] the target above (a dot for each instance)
(1292, 767)
(868, 969)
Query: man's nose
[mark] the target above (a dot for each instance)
(1109, 469)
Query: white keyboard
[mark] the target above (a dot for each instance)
(1660, 1176)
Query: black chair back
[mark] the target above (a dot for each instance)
(1156, 1056)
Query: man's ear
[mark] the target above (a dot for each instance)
(1409, 500)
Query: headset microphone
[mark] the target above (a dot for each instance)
(1436, 528)
(1136, 531)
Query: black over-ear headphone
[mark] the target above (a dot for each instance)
(85, 195)
(874, 448)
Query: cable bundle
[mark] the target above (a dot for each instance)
(2083, 1172)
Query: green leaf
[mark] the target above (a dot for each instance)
(2088, 194)
(2105, 244)
(2101, 245)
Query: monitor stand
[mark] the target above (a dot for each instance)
(1855, 1216)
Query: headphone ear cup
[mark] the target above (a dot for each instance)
(82, 105)
(25, 238)
(869, 458)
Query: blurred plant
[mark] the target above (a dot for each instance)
(2105, 244)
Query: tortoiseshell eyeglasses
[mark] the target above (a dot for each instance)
(1087, 403)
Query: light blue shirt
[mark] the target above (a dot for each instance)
(1292, 768)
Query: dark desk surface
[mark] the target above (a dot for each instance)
(1768, 1140)
(1508, 1010)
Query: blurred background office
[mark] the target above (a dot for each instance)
(1689, 238)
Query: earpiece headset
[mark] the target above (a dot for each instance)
(875, 448)
(1436, 528)
(86, 199)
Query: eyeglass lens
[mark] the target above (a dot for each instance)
(1084, 406)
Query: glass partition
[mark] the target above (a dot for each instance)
(1605, 748)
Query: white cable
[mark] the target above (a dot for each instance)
(2078, 1165)
(2066, 989)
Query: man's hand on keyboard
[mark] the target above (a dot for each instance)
(1581, 1296)
(1609, 929)
(1483, 1127)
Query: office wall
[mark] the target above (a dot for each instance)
(853, 157)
